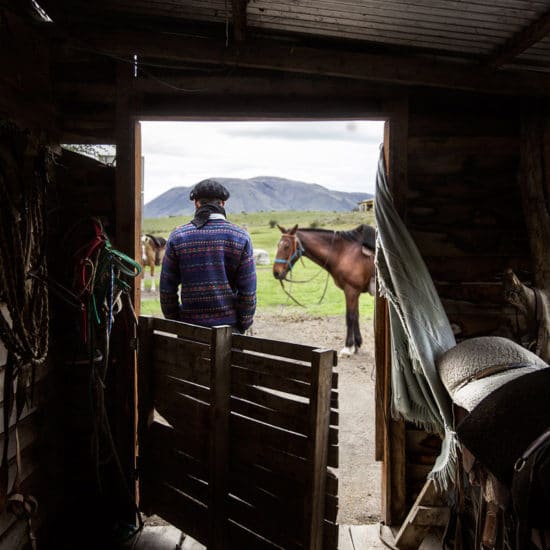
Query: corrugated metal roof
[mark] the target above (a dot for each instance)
(474, 28)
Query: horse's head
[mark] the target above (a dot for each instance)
(289, 250)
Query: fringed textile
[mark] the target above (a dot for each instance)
(420, 331)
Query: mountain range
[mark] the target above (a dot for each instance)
(262, 193)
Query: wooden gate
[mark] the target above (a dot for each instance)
(235, 437)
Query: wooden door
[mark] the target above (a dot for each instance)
(235, 437)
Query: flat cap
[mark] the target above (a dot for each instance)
(209, 189)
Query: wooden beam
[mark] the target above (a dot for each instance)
(520, 42)
(273, 55)
(427, 513)
(127, 207)
(239, 19)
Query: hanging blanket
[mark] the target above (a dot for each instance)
(420, 331)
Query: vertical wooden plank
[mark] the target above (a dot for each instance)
(138, 209)
(125, 414)
(321, 382)
(220, 388)
(145, 407)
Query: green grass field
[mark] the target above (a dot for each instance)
(270, 295)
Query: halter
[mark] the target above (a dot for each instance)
(297, 252)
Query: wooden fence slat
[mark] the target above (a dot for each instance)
(270, 398)
(274, 418)
(271, 365)
(270, 523)
(330, 535)
(286, 385)
(319, 417)
(331, 507)
(287, 465)
(192, 444)
(333, 459)
(220, 382)
(269, 480)
(273, 347)
(182, 330)
(331, 483)
(241, 538)
(169, 468)
(169, 389)
(179, 509)
(184, 412)
(263, 435)
(182, 359)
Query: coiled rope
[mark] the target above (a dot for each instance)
(24, 321)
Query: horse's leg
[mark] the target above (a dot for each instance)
(153, 287)
(143, 269)
(352, 323)
(358, 339)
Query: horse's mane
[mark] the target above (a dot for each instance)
(365, 234)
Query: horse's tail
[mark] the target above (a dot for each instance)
(159, 242)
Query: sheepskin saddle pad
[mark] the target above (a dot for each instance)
(504, 424)
(477, 367)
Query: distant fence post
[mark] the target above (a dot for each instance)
(321, 384)
(220, 388)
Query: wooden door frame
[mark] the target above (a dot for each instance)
(390, 434)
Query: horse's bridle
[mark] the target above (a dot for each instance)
(296, 254)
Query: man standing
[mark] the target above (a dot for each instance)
(212, 262)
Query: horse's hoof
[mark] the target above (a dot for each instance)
(346, 352)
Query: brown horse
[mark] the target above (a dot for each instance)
(152, 253)
(347, 255)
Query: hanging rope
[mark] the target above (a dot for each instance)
(101, 283)
(24, 322)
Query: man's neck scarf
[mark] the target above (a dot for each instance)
(202, 214)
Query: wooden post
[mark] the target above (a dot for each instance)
(321, 384)
(145, 405)
(127, 204)
(220, 388)
(380, 313)
(394, 452)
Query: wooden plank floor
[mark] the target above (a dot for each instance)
(360, 537)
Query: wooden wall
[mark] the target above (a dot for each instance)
(463, 208)
(464, 205)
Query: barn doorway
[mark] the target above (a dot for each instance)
(339, 156)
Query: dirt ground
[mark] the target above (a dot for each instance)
(359, 473)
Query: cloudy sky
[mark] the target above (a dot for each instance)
(340, 155)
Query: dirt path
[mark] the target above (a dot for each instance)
(359, 473)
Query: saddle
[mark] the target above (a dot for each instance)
(503, 390)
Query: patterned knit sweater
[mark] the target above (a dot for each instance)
(214, 268)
